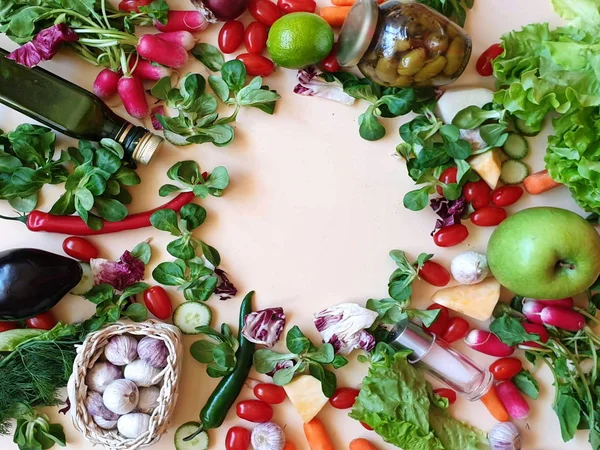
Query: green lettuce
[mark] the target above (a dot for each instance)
(583, 13)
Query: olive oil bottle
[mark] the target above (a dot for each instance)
(70, 109)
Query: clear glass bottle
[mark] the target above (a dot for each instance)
(402, 44)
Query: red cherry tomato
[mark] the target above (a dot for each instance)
(331, 64)
(292, 6)
(448, 176)
(257, 65)
(80, 248)
(344, 398)
(158, 302)
(270, 393)
(264, 11)
(451, 235)
(255, 37)
(446, 393)
(457, 329)
(484, 63)
(237, 438)
(506, 195)
(489, 216)
(438, 327)
(5, 326)
(478, 193)
(133, 5)
(504, 369)
(434, 274)
(44, 321)
(231, 36)
(366, 426)
(255, 411)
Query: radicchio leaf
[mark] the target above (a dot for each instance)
(450, 212)
(311, 84)
(119, 274)
(225, 289)
(44, 45)
(265, 326)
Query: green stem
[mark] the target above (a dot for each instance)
(103, 32)
(70, 13)
(103, 6)
(588, 315)
(18, 218)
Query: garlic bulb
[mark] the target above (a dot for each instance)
(469, 268)
(133, 425)
(101, 375)
(105, 424)
(142, 373)
(267, 436)
(153, 351)
(148, 399)
(121, 350)
(121, 396)
(95, 406)
(505, 436)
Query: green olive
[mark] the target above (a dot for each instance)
(386, 70)
(455, 54)
(401, 45)
(403, 81)
(431, 69)
(412, 62)
(436, 43)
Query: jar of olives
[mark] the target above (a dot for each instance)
(403, 43)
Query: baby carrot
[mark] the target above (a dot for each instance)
(361, 444)
(348, 2)
(316, 436)
(539, 182)
(335, 15)
(494, 405)
(289, 446)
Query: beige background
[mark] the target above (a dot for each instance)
(307, 222)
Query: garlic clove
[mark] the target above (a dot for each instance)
(105, 424)
(133, 425)
(101, 375)
(121, 350)
(469, 268)
(121, 396)
(505, 436)
(142, 373)
(148, 399)
(95, 406)
(267, 436)
(153, 351)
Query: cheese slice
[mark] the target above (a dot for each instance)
(488, 166)
(455, 100)
(306, 395)
(474, 300)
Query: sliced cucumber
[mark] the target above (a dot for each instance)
(87, 280)
(513, 172)
(516, 146)
(190, 315)
(525, 129)
(199, 442)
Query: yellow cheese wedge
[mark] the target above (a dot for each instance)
(306, 395)
(487, 165)
(475, 300)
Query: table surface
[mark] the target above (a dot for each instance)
(307, 222)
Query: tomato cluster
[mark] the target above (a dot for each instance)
(449, 329)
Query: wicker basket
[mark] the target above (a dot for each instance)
(92, 349)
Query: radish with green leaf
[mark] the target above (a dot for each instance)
(183, 21)
(182, 38)
(564, 318)
(162, 52)
(106, 83)
(149, 71)
(132, 93)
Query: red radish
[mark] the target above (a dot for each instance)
(533, 310)
(488, 343)
(513, 401)
(534, 328)
(564, 302)
(131, 91)
(564, 318)
(147, 71)
(182, 38)
(162, 52)
(183, 21)
(106, 83)
(157, 110)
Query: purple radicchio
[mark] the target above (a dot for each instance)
(119, 274)
(265, 326)
(310, 84)
(44, 45)
(157, 110)
(344, 326)
(450, 212)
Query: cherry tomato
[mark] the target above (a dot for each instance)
(255, 411)
(504, 369)
(434, 274)
(439, 325)
(270, 393)
(484, 62)
(257, 65)
(506, 195)
(237, 438)
(448, 176)
(488, 216)
(158, 302)
(446, 393)
(133, 5)
(457, 329)
(255, 37)
(264, 11)
(344, 398)
(366, 426)
(292, 6)
(43, 321)
(331, 64)
(478, 193)
(80, 248)
(231, 36)
(5, 326)
(451, 235)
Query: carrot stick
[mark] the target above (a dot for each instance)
(361, 444)
(348, 2)
(539, 182)
(494, 405)
(316, 436)
(289, 446)
(335, 15)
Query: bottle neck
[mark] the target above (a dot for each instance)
(138, 143)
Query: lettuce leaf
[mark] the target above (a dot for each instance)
(584, 13)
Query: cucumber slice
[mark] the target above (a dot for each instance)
(525, 129)
(87, 280)
(513, 172)
(190, 315)
(516, 146)
(200, 442)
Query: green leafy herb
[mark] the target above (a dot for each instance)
(453, 9)
(111, 306)
(209, 55)
(189, 174)
(400, 282)
(34, 431)
(143, 252)
(220, 356)
(527, 384)
(511, 331)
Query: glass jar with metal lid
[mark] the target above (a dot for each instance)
(402, 44)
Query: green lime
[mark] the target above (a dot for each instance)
(299, 39)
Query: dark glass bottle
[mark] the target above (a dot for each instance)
(70, 109)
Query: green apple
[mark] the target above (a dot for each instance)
(545, 253)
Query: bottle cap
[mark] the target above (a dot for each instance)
(146, 147)
(357, 32)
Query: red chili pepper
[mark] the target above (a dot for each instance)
(74, 225)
